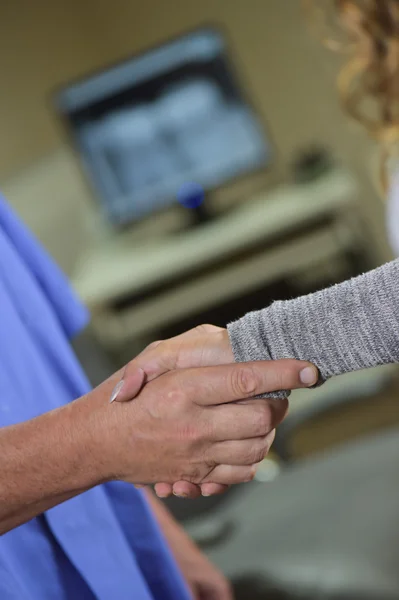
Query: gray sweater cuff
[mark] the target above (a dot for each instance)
(248, 345)
(347, 327)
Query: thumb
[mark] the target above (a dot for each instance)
(128, 386)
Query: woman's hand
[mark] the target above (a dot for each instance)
(203, 346)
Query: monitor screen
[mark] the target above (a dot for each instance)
(171, 116)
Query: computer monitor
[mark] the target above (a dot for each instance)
(150, 125)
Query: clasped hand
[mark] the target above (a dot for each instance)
(239, 428)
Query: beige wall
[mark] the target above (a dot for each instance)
(45, 42)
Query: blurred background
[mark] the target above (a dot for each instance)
(186, 163)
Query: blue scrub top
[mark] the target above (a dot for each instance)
(105, 543)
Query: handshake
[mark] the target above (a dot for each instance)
(184, 416)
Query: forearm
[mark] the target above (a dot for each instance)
(47, 460)
(350, 326)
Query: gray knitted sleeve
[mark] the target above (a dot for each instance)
(349, 326)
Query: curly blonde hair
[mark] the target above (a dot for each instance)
(369, 81)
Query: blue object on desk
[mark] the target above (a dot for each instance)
(191, 195)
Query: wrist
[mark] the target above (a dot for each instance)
(89, 424)
(108, 435)
(50, 458)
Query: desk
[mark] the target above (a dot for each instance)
(134, 288)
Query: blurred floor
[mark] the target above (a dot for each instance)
(325, 529)
(346, 408)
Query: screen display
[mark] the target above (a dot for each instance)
(169, 117)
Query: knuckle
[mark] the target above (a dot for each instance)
(261, 455)
(263, 449)
(197, 433)
(177, 395)
(281, 381)
(285, 376)
(244, 382)
(198, 471)
(191, 434)
(278, 410)
(176, 400)
(154, 345)
(205, 430)
(203, 328)
(256, 455)
(194, 475)
(207, 328)
(264, 419)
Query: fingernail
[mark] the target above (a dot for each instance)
(182, 495)
(308, 376)
(205, 494)
(116, 391)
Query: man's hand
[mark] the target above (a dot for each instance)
(191, 425)
(186, 425)
(203, 346)
(193, 421)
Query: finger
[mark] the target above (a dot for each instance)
(231, 475)
(185, 489)
(229, 383)
(163, 490)
(129, 385)
(182, 489)
(243, 452)
(277, 406)
(242, 421)
(213, 489)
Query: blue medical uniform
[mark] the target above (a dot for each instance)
(105, 543)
